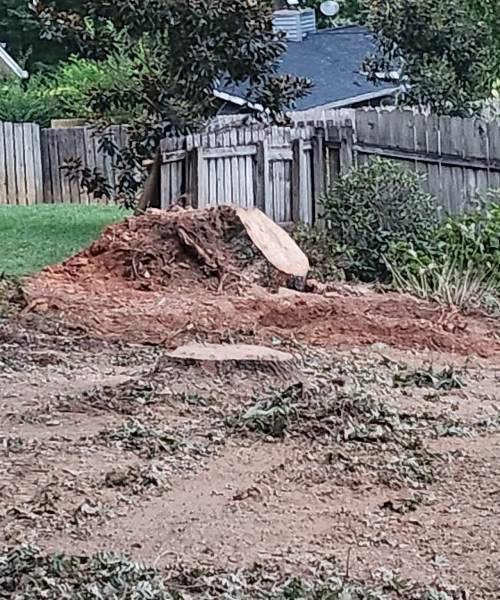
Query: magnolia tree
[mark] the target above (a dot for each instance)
(181, 49)
(448, 50)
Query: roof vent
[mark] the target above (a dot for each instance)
(297, 24)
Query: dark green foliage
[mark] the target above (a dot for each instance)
(458, 263)
(27, 101)
(182, 50)
(65, 92)
(373, 207)
(22, 33)
(474, 235)
(326, 257)
(448, 50)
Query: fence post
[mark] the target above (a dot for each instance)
(262, 187)
(298, 177)
(193, 168)
(319, 169)
(347, 158)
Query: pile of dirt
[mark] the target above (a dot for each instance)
(173, 277)
(189, 248)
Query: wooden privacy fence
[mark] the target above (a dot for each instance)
(459, 157)
(282, 170)
(31, 159)
(285, 170)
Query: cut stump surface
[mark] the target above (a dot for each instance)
(230, 352)
(274, 242)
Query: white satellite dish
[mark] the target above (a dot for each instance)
(329, 8)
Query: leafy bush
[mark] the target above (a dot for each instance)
(75, 81)
(374, 207)
(20, 101)
(65, 93)
(326, 257)
(458, 264)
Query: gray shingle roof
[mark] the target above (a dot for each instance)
(332, 60)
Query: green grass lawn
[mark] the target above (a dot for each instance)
(33, 237)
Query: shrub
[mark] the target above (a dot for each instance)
(20, 101)
(64, 93)
(459, 264)
(373, 207)
(326, 257)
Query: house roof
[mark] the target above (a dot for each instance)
(332, 60)
(8, 66)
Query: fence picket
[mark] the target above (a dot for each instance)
(4, 198)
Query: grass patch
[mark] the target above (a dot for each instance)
(34, 237)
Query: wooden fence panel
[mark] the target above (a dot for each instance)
(20, 163)
(4, 198)
(460, 157)
(432, 137)
(242, 166)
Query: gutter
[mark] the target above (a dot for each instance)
(7, 63)
(346, 102)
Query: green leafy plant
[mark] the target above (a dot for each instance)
(448, 51)
(374, 207)
(66, 92)
(457, 264)
(326, 256)
(21, 101)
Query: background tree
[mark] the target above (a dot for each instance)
(182, 49)
(21, 31)
(448, 50)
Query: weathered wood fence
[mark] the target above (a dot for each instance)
(286, 170)
(31, 159)
(459, 157)
(282, 170)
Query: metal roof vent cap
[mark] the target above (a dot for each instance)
(297, 24)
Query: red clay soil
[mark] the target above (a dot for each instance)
(168, 277)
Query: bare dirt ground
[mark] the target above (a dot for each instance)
(379, 445)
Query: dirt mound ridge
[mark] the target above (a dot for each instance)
(189, 248)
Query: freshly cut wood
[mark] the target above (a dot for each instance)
(274, 242)
(230, 352)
